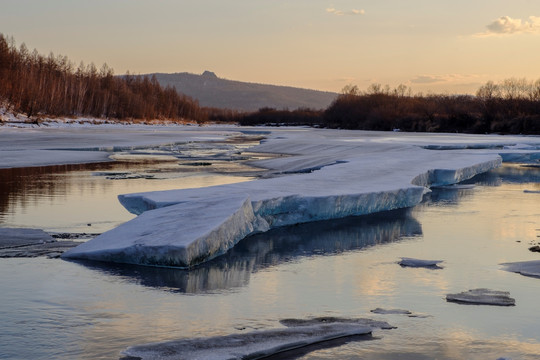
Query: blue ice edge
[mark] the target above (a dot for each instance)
(185, 228)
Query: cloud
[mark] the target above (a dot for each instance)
(337, 12)
(448, 78)
(505, 25)
(426, 79)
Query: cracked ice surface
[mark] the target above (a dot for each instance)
(320, 175)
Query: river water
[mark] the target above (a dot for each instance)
(55, 309)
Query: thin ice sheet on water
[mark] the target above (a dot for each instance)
(412, 262)
(482, 297)
(17, 237)
(527, 268)
(252, 345)
(391, 311)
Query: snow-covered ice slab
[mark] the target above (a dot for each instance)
(254, 345)
(322, 175)
(527, 268)
(182, 235)
(483, 297)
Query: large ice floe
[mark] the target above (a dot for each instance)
(318, 175)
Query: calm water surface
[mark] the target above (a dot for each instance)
(54, 309)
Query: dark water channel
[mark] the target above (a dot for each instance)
(54, 309)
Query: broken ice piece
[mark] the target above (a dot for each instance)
(526, 268)
(398, 312)
(483, 297)
(405, 261)
(18, 237)
(252, 345)
(391, 311)
(336, 320)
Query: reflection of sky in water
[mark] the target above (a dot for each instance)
(343, 268)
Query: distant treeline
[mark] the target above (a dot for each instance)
(36, 85)
(512, 106)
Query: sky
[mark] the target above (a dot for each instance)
(432, 46)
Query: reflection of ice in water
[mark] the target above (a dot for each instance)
(282, 245)
(66, 198)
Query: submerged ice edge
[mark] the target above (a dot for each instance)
(166, 234)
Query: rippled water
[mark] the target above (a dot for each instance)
(77, 310)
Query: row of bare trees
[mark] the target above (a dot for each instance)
(51, 85)
(511, 106)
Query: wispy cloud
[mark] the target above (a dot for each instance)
(447, 78)
(505, 25)
(337, 12)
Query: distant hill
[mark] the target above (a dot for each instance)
(212, 91)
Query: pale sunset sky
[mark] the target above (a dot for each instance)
(449, 46)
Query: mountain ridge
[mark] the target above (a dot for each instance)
(213, 91)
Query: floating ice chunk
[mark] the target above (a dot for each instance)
(527, 268)
(336, 320)
(16, 237)
(391, 311)
(483, 297)
(398, 312)
(252, 345)
(15, 242)
(411, 262)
